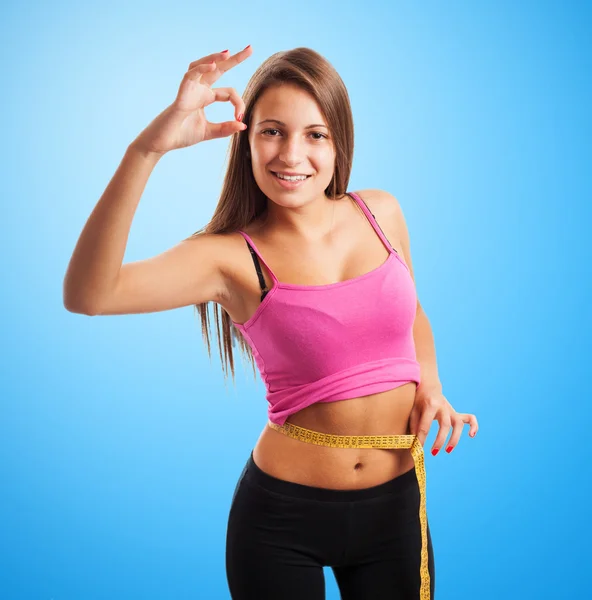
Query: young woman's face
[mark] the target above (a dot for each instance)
(282, 140)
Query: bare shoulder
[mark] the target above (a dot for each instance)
(229, 248)
(381, 201)
(389, 214)
(237, 268)
(387, 210)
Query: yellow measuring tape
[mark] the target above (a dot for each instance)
(376, 441)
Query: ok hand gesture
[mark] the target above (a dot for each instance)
(184, 123)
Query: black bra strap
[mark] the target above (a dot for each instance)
(379, 227)
(377, 223)
(262, 283)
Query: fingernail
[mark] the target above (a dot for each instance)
(435, 451)
(472, 434)
(247, 46)
(240, 117)
(223, 51)
(449, 449)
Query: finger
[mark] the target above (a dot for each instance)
(219, 130)
(209, 58)
(236, 59)
(413, 421)
(230, 94)
(457, 427)
(196, 72)
(190, 80)
(226, 63)
(472, 421)
(424, 424)
(442, 434)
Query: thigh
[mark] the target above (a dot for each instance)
(390, 577)
(384, 554)
(265, 554)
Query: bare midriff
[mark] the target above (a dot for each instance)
(386, 413)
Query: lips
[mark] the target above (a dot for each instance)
(289, 185)
(291, 174)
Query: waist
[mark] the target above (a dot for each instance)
(386, 413)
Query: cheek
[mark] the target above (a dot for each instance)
(263, 153)
(325, 159)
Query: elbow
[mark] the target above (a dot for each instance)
(79, 309)
(77, 304)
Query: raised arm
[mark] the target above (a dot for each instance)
(96, 282)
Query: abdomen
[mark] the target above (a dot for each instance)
(386, 413)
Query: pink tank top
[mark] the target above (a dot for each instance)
(324, 343)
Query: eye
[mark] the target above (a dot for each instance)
(323, 136)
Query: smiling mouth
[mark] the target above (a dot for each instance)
(275, 173)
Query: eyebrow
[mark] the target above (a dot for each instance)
(283, 124)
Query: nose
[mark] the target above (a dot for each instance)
(291, 152)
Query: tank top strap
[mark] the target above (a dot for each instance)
(373, 221)
(255, 249)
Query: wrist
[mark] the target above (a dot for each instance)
(429, 386)
(136, 148)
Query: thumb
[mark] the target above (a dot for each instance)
(219, 130)
(413, 421)
(421, 421)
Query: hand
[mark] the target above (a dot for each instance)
(184, 123)
(431, 404)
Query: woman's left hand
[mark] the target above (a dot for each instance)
(431, 404)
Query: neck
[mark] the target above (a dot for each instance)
(313, 221)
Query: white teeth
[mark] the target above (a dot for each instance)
(291, 178)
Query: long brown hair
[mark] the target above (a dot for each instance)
(241, 200)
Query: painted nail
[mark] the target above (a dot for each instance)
(435, 451)
(449, 449)
(248, 46)
(240, 117)
(223, 51)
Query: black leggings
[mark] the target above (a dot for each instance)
(281, 534)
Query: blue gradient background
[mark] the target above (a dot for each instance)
(121, 443)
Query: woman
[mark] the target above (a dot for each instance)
(324, 300)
